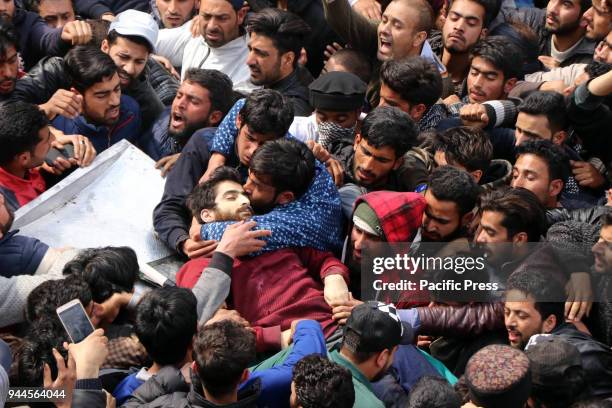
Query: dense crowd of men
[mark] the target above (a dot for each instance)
(296, 139)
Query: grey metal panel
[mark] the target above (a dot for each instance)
(110, 202)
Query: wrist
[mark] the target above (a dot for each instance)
(87, 370)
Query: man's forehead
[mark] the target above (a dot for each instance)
(484, 65)
(9, 52)
(531, 162)
(439, 207)
(107, 83)
(468, 9)
(228, 186)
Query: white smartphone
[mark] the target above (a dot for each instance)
(75, 320)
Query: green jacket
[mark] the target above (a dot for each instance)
(364, 396)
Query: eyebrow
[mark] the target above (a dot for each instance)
(482, 71)
(468, 17)
(230, 192)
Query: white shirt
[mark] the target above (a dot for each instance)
(304, 128)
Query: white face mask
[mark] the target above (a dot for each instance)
(330, 132)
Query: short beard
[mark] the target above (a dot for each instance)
(184, 135)
(566, 29)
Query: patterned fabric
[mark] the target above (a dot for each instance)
(315, 220)
(433, 117)
(125, 352)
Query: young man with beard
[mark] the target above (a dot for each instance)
(204, 98)
(599, 20)
(561, 31)
(107, 116)
(312, 280)
(130, 41)
(9, 60)
(534, 305)
(401, 32)
(174, 13)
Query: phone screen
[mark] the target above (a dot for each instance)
(76, 322)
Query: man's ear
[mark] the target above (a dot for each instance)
(105, 46)
(520, 238)
(555, 187)
(549, 324)
(207, 215)
(285, 197)
(244, 376)
(419, 39)
(288, 58)
(467, 218)
(483, 33)
(509, 85)
(398, 163)
(23, 158)
(559, 137)
(382, 358)
(477, 174)
(417, 111)
(238, 121)
(216, 117)
(241, 14)
(357, 140)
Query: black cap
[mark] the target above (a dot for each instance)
(337, 91)
(374, 326)
(551, 359)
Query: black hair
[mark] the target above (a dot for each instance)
(527, 41)
(521, 209)
(607, 218)
(433, 392)
(287, 31)
(560, 395)
(34, 5)
(354, 62)
(492, 8)
(20, 124)
(113, 35)
(218, 84)
(584, 6)
(547, 292)
(321, 383)
(99, 31)
(43, 301)
(288, 163)
(448, 183)
(389, 126)
(203, 195)
(87, 66)
(166, 321)
(107, 270)
(222, 351)
(8, 37)
(549, 104)
(555, 157)
(502, 54)
(268, 112)
(415, 79)
(466, 146)
(597, 68)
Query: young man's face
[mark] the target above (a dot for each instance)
(101, 102)
(261, 193)
(175, 13)
(130, 58)
(441, 219)
(522, 320)
(371, 165)
(360, 239)
(531, 172)
(42, 148)
(485, 82)
(56, 13)
(190, 109)
(344, 119)
(388, 97)
(493, 238)
(463, 26)
(247, 142)
(531, 127)
(602, 251)
(221, 23)
(231, 203)
(7, 10)
(264, 60)
(599, 21)
(563, 16)
(603, 52)
(396, 34)
(9, 67)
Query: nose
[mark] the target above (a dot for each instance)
(519, 181)
(359, 241)
(248, 187)
(480, 237)
(242, 200)
(588, 15)
(518, 137)
(368, 163)
(251, 59)
(115, 98)
(130, 68)
(5, 70)
(172, 7)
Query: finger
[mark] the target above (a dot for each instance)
(47, 380)
(581, 310)
(59, 361)
(167, 167)
(589, 307)
(78, 148)
(574, 310)
(568, 306)
(90, 154)
(201, 252)
(62, 164)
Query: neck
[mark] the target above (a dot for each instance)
(15, 170)
(361, 367)
(224, 400)
(283, 77)
(567, 41)
(457, 65)
(154, 369)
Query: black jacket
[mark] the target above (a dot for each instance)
(95, 8)
(293, 89)
(591, 215)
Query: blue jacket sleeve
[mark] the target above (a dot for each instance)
(315, 220)
(276, 381)
(227, 131)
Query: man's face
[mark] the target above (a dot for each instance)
(396, 33)
(174, 13)
(603, 52)
(42, 148)
(261, 193)
(602, 251)
(264, 60)
(101, 102)
(485, 82)
(562, 16)
(56, 13)
(247, 142)
(360, 240)
(221, 23)
(441, 219)
(344, 119)
(599, 21)
(531, 172)
(371, 166)
(463, 26)
(7, 10)
(388, 97)
(9, 67)
(231, 202)
(129, 57)
(190, 110)
(522, 320)
(6, 217)
(493, 238)
(531, 127)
